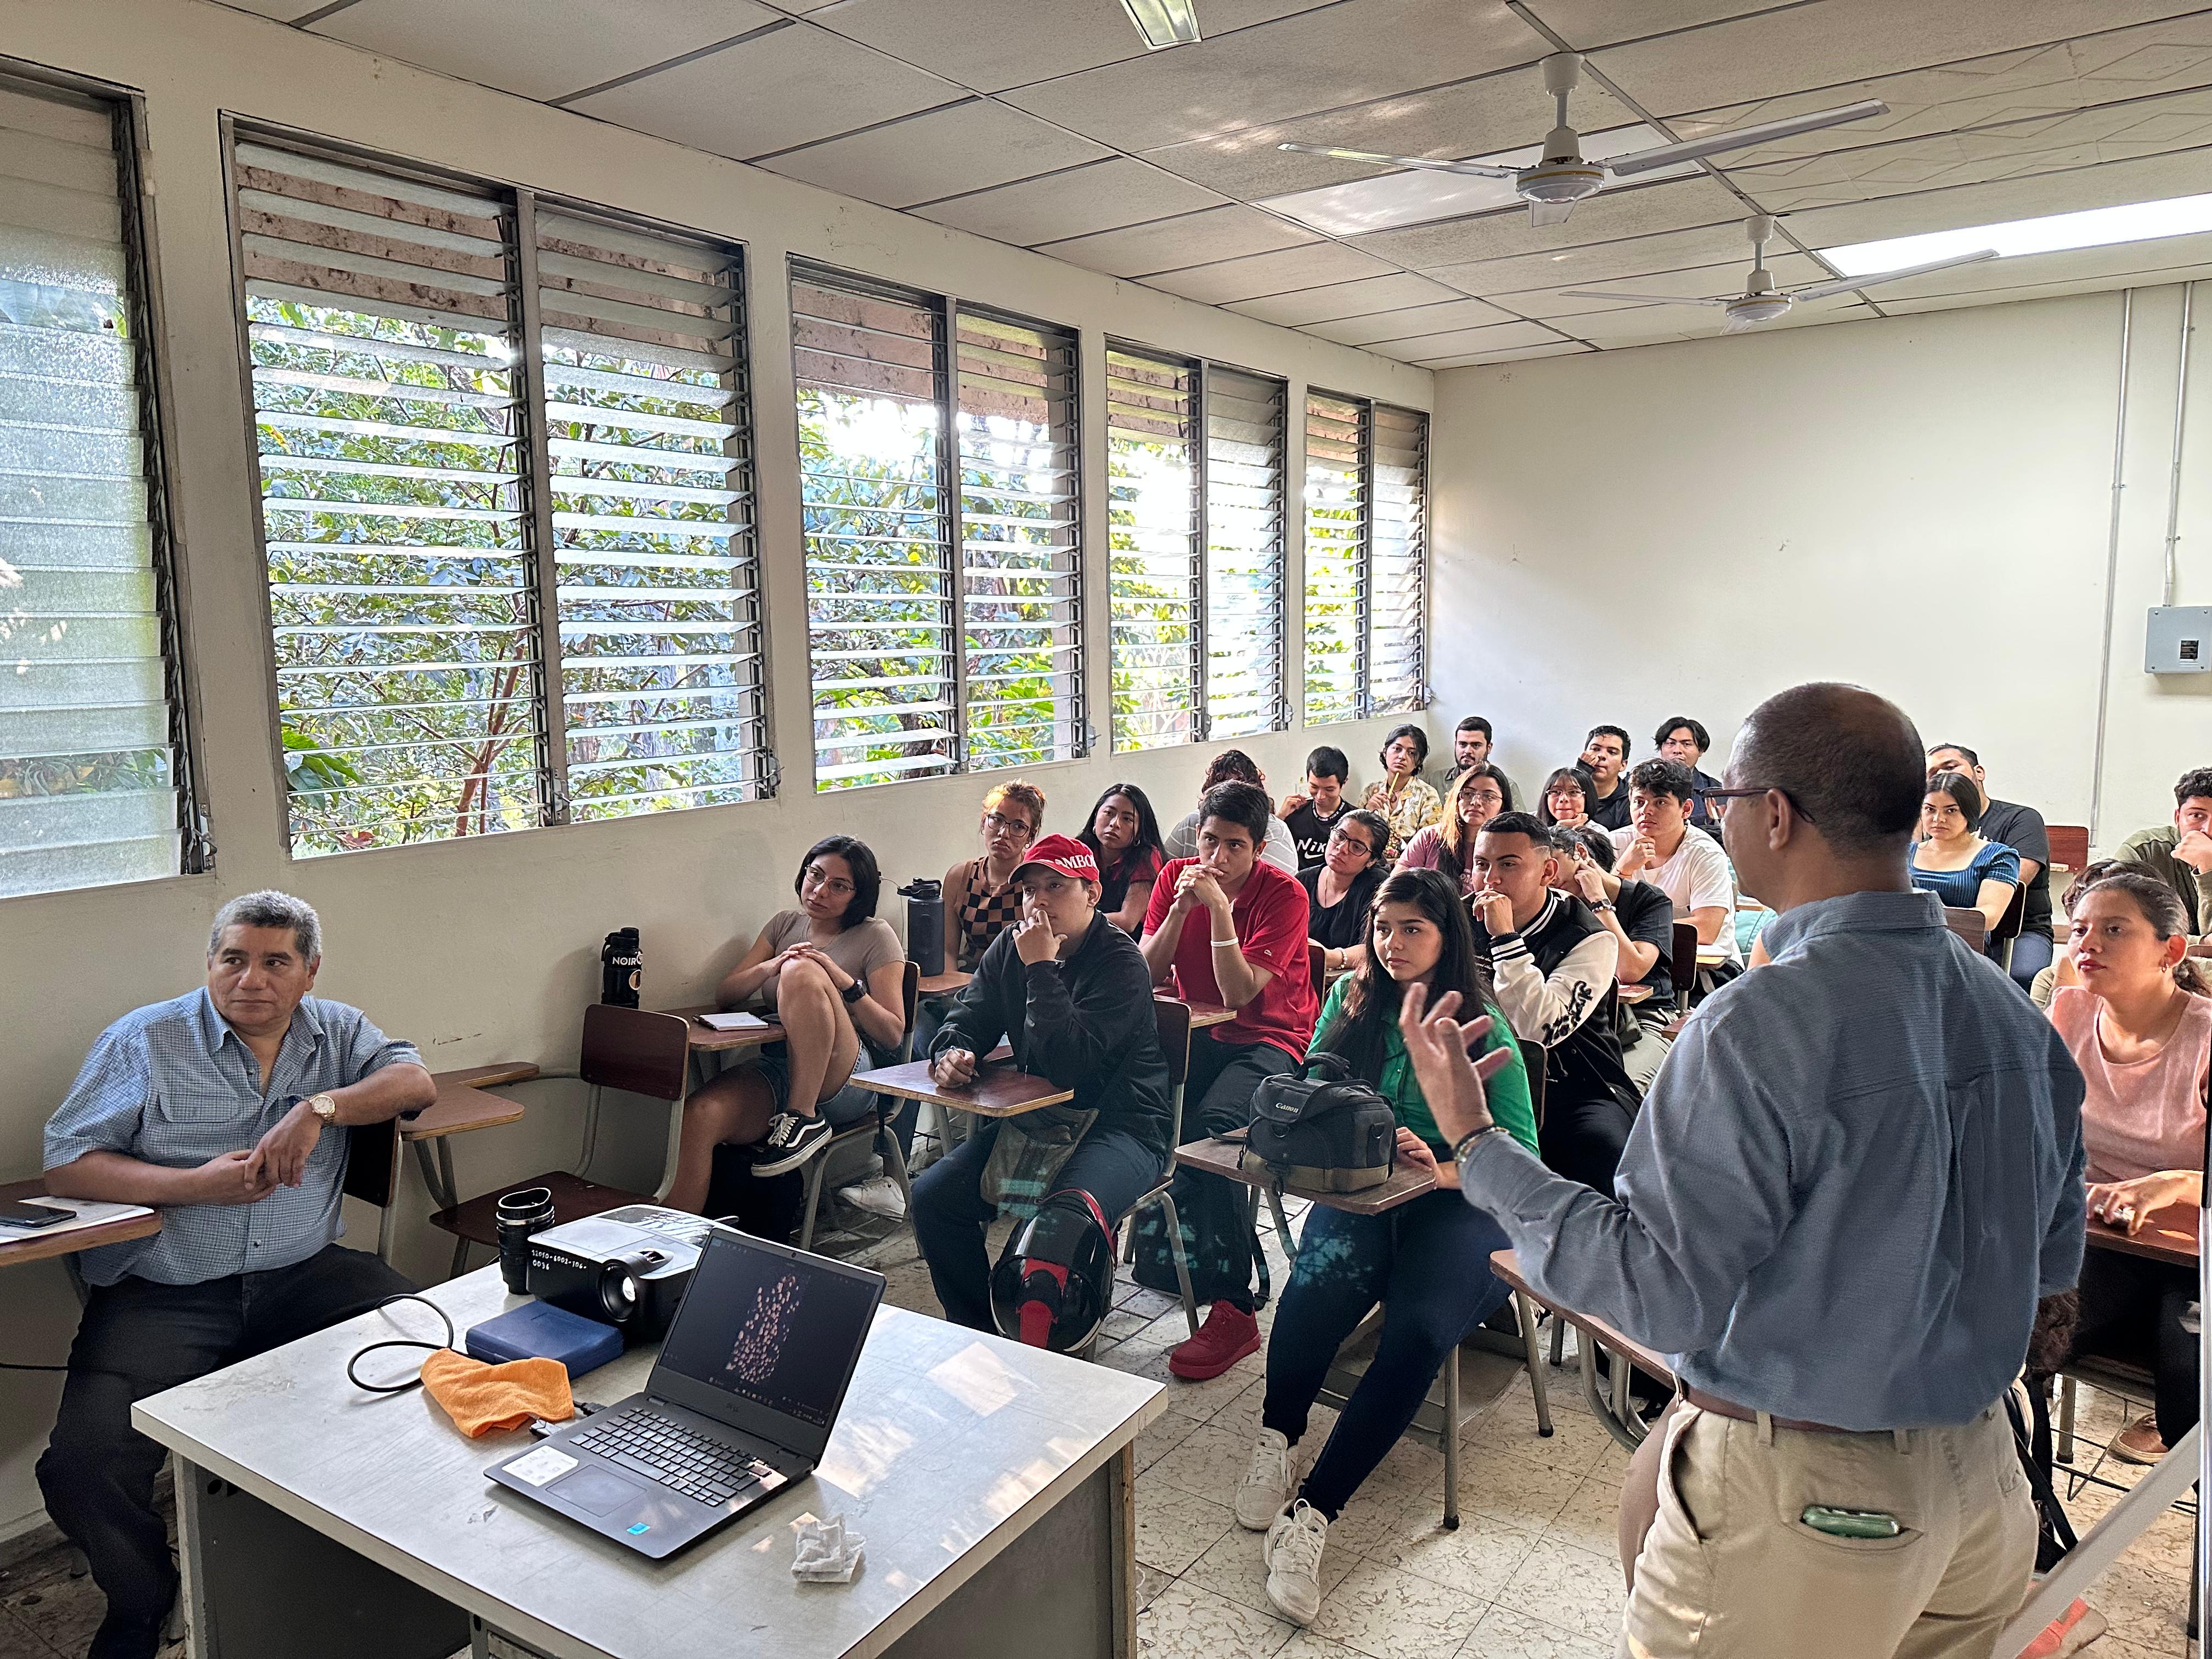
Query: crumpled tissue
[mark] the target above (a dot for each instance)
(827, 1553)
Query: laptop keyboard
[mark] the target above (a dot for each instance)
(680, 1458)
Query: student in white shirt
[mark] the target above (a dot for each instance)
(1659, 846)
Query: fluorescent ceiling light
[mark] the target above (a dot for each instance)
(2138, 222)
(1163, 23)
(1414, 196)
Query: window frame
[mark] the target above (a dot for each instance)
(1201, 630)
(166, 558)
(519, 206)
(1364, 703)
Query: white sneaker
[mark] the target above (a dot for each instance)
(1269, 1480)
(879, 1196)
(1292, 1555)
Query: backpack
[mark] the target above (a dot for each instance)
(1325, 1132)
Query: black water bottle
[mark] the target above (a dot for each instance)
(925, 924)
(621, 968)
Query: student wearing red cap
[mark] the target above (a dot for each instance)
(1072, 992)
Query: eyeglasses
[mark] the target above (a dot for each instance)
(1718, 799)
(1341, 837)
(1483, 798)
(1000, 823)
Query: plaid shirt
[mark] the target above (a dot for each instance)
(173, 1084)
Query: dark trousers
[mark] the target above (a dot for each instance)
(1582, 1139)
(1215, 1211)
(2031, 955)
(951, 1215)
(137, 1338)
(2132, 1308)
(1428, 1263)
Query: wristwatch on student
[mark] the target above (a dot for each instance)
(1601, 905)
(325, 1108)
(854, 992)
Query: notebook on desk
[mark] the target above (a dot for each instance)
(739, 1405)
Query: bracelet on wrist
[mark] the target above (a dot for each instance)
(1220, 944)
(1466, 1142)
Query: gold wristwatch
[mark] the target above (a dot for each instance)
(325, 1108)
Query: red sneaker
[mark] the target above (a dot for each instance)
(1227, 1336)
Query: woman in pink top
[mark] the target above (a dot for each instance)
(2140, 1028)
(1477, 795)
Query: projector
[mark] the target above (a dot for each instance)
(627, 1268)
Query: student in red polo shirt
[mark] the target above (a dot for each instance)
(1226, 927)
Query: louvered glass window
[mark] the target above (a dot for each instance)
(505, 505)
(870, 371)
(92, 748)
(1366, 559)
(1021, 597)
(1152, 517)
(1336, 536)
(1244, 442)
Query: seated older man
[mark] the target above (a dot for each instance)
(225, 1109)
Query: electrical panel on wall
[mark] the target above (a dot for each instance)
(2179, 640)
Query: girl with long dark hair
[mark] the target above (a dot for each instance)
(1124, 836)
(1427, 1262)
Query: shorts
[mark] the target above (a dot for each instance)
(849, 1105)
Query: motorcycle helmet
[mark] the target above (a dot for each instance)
(1053, 1284)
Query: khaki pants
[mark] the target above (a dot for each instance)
(1729, 1571)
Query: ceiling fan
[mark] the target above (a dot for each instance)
(1560, 178)
(1760, 301)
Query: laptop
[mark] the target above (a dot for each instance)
(740, 1403)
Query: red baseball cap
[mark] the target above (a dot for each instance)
(1063, 853)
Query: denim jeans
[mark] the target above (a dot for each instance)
(2031, 955)
(1428, 1263)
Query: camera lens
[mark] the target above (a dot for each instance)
(514, 1218)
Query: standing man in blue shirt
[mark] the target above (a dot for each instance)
(226, 1111)
(1859, 1171)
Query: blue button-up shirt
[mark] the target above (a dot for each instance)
(1858, 1171)
(173, 1084)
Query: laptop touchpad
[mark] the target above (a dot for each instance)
(596, 1491)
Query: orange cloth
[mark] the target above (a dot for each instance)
(480, 1398)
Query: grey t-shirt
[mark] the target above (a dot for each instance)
(861, 948)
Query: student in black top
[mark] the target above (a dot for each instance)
(1641, 919)
(1684, 740)
(1553, 962)
(1313, 815)
(1072, 992)
(2021, 828)
(1124, 836)
(1340, 890)
(1605, 758)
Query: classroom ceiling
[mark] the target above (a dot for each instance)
(1046, 125)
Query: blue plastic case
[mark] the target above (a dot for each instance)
(537, 1330)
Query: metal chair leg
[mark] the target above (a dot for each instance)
(815, 1168)
(1451, 1439)
(460, 1262)
(1181, 1261)
(1282, 1225)
(887, 1148)
(2064, 1453)
(1526, 1315)
(1558, 1341)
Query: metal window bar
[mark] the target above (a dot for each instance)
(1397, 585)
(1156, 582)
(96, 754)
(1244, 468)
(1336, 536)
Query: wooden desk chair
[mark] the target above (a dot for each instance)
(1317, 966)
(626, 1050)
(372, 1150)
(2008, 925)
(877, 1127)
(1968, 925)
(1172, 1021)
(372, 1174)
(2069, 847)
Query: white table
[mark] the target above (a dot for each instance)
(994, 1485)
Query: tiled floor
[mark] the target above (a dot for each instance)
(1530, 1574)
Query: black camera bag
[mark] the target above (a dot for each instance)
(1324, 1133)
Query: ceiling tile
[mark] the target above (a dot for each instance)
(2149, 180)
(1586, 25)
(1195, 239)
(1637, 211)
(569, 44)
(284, 11)
(1792, 48)
(1270, 273)
(1700, 281)
(1472, 117)
(1405, 325)
(1563, 348)
(770, 94)
(1345, 53)
(1336, 300)
(967, 147)
(1100, 197)
(1460, 342)
(1680, 250)
(993, 45)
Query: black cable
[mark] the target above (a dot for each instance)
(416, 1382)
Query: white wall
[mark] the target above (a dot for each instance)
(487, 950)
(1920, 504)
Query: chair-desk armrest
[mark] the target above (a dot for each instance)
(462, 1104)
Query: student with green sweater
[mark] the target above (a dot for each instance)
(1427, 1262)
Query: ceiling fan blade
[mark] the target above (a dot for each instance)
(1549, 213)
(1847, 285)
(1476, 169)
(1667, 155)
(1640, 299)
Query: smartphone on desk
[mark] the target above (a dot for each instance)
(14, 1214)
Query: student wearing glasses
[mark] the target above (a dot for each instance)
(1339, 888)
(832, 973)
(1476, 796)
(1565, 804)
(981, 897)
(1409, 804)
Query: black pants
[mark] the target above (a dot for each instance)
(1217, 1228)
(137, 1338)
(2132, 1308)
(1582, 1138)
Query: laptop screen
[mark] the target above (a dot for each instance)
(775, 1328)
